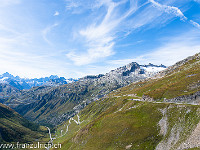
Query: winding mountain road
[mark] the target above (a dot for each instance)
(78, 122)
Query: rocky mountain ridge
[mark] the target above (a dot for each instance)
(179, 83)
(65, 100)
(130, 70)
(11, 86)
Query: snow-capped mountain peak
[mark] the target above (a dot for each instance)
(26, 83)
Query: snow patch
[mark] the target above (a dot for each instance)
(152, 69)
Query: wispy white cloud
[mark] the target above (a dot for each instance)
(198, 1)
(56, 13)
(176, 49)
(195, 24)
(79, 6)
(4, 3)
(71, 4)
(169, 9)
(28, 65)
(99, 28)
(6, 29)
(23, 50)
(48, 30)
(100, 37)
(17, 60)
(92, 55)
(130, 44)
(176, 11)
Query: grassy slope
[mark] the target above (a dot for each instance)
(183, 80)
(105, 127)
(54, 102)
(14, 128)
(118, 122)
(57, 101)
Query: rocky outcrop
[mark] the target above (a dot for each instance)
(180, 133)
(147, 98)
(188, 99)
(193, 140)
(185, 99)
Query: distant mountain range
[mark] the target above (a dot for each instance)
(53, 105)
(25, 83)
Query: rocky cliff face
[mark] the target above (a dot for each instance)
(188, 99)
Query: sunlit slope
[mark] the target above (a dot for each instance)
(120, 123)
(122, 120)
(183, 78)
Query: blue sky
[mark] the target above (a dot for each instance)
(74, 38)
